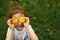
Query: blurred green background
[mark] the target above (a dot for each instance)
(44, 17)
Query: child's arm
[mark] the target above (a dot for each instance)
(11, 26)
(32, 34)
(9, 35)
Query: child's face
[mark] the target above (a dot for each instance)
(18, 26)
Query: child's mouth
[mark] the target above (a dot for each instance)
(19, 25)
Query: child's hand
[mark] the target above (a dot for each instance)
(10, 23)
(26, 23)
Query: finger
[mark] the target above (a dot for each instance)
(9, 21)
(27, 19)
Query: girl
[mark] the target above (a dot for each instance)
(19, 31)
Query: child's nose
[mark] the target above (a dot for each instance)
(19, 23)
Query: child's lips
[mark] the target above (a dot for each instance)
(19, 25)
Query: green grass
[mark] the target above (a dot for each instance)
(44, 17)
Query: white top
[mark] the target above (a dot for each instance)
(20, 34)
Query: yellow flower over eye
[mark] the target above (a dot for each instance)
(22, 19)
(15, 21)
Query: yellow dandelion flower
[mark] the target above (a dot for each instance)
(24, 5)
(22, 19)
(15, 21)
